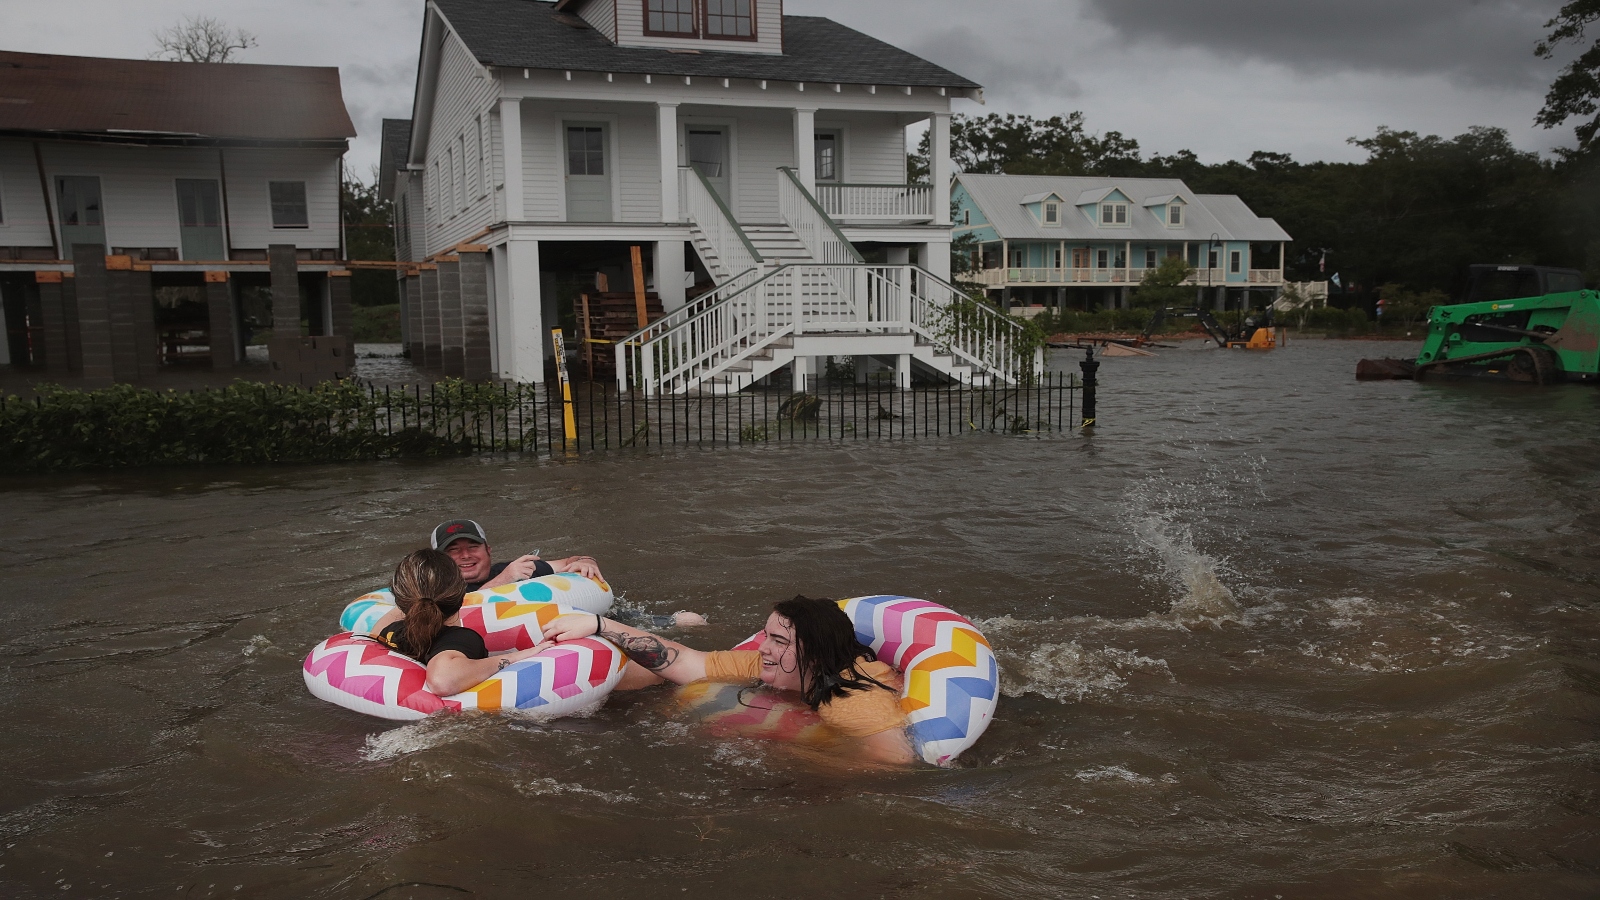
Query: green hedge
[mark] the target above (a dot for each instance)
(245, 423)
(1332, 318)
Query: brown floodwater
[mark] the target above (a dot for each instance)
(1269, 633)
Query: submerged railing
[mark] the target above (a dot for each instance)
(259, 423)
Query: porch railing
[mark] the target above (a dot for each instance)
(1045, 275)
(800, 299)
(810, 222)
(877, 202)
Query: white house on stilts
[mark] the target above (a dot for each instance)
(757, 161)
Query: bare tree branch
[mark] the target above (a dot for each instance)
(201, 39)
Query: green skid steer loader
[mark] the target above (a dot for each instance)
(1531, 324)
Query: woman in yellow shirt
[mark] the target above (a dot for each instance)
(808, 646)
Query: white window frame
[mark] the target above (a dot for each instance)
(613, 157)
(1114, 209)
(1045, 209)
(838, 132)
(272, 216)
(483, 161)
(1151, 260)
(1019, 258)
(966, 217)
(1235, 262)
(1175, 215)
(1102, 258)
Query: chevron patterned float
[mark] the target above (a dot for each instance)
(361, 674)
(565, 588)
(952, 681)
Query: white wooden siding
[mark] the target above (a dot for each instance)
(250, 207)
(26, 224)
(138, 192)
(768, 25)
(459, 207)
(874, 149)
(602, 14)
(631, 157)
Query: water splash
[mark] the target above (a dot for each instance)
(434, 731)
(1202, 597)
(1063, 671)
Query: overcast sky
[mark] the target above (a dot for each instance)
(1219, 77)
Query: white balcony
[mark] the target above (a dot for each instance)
(869, 203)
(997, 278)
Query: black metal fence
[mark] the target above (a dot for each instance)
(530, 418)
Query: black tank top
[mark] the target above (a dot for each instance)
(464, 640)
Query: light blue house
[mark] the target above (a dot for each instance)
(1085, 242)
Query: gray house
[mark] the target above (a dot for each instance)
(119, 178)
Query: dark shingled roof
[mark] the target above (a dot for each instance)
(392, 158)
(149, 101)
(531, 34)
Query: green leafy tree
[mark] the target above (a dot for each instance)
(369, 235)
(1163, 286)
(1576, 89)
(1406, 306)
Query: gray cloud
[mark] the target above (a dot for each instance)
(1488, 42)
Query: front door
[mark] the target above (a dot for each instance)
(1080, 257)
(708, 153)
(588, 181)
(200, 219)
(82, 221)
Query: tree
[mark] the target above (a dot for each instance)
(368, 234)
(1406, 306)
(1576, 90)
(1163, 286)
(201, 39)
(1023, 145)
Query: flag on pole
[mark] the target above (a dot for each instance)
(1336, 282)
(1322, 265)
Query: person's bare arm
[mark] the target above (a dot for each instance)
(668, 659)
(519, 569)
(452, 671)
(581, 565)
(389, 618)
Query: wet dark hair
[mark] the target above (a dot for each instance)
(428, 588)
(826, 649)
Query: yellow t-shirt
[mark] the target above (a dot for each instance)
(856, 714)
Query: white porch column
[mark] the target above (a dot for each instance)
(902, 371)
(935, 257)
(805, 148)
(667, 140)
(939, 168)
(511, 147)
(669, 269)
(523, 325)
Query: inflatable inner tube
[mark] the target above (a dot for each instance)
(952, 681)
(566, 588)
(359, 673)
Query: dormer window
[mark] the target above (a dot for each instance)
(1175, 215)
(1052, 213)
(729, 19)
(669, 17)
(1113, 214)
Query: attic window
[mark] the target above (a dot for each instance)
(1113, 214)
(1052, 212)
(669, 17)
(729, 19)
(1175, 215)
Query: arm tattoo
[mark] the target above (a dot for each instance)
(646, 650)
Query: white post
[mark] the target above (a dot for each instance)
(1280, 262)
(667, 138)
(801, 370)
(805, 148)
(511, 148)
(935, 258)
(524, 323)
(939, 168)
(902, 371)
(669, 269)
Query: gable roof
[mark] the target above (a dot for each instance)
(529, 34)
(392, 157)
(1000, 198)
(1042, 195)
(146, 101)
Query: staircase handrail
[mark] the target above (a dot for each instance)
(727, 223)
(817, 249)
(992, 345)
(630, 349)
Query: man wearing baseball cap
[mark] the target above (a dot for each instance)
(464, 541)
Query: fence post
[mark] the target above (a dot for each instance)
(1089, 365)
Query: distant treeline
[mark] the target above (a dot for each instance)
(1417, 212)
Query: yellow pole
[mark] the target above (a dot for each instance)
(567, 419)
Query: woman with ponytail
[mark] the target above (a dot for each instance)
(428, 589)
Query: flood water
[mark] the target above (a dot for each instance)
(1269, 633)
